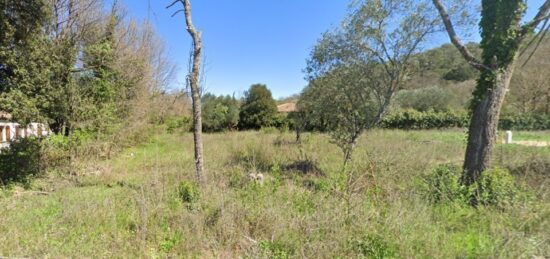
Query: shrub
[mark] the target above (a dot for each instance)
(444, 184)
(188, 192)
(525, 122)
(415, 120)
(173, 124)
(373, 247)
(275, 250)
(254, 157)
(495, 187)
(20, 161)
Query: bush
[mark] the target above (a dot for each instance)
(183, 123)
(254, 158)
(525, 122)
(373, 247)
(20, 161)
(444, 184)
(275, 250)
(188, 192)
(495, 187)
(416, 120)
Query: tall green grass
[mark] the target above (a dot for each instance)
(138, 204)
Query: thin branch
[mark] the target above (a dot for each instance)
(542, 15)
(456, 40)
(176, 12)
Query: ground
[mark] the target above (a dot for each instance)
(132, 206)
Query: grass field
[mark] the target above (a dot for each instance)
(130, 206)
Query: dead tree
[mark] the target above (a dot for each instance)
(193, 81)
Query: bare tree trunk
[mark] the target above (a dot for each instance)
(483, 128)
(193, 80)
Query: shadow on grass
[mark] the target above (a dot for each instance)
(304, 167)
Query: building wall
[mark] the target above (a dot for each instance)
(10, 131)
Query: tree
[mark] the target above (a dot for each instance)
(502, 35)
(193, 81)
(259, 108)
(25, 58)
(355, 71)
(345, 100)
(219, 113)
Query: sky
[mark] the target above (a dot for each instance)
(250, 41)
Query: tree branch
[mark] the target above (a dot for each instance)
(455, 40)
(543, 14)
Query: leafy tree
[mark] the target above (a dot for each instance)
(259, 108)
(356, 70)
(345, 101)
(502, 35)
(219, 113)
(101, 86)
(25, 58)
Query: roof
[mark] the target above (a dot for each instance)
(5, 116)
(287, 107)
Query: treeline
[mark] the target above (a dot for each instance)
(256, 110)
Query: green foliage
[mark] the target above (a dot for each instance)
(188, 192)
(173, 124)
(443, 184)
(495, 187)
(259, 108)
(372, 246)
(461, 73)
(21, 161)
(253, 157)
(527, 121)
(500, 29)
(424, 99)
(219, 113)
(444, 62)
(275, 250)
(415, 120)
(344, 102)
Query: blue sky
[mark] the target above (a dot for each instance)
(249, 41)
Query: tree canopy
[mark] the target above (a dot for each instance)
(258, 109)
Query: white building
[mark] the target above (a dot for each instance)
(11, 131)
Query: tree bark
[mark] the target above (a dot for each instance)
(485, 115)
(483, 127)
(193, 80)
